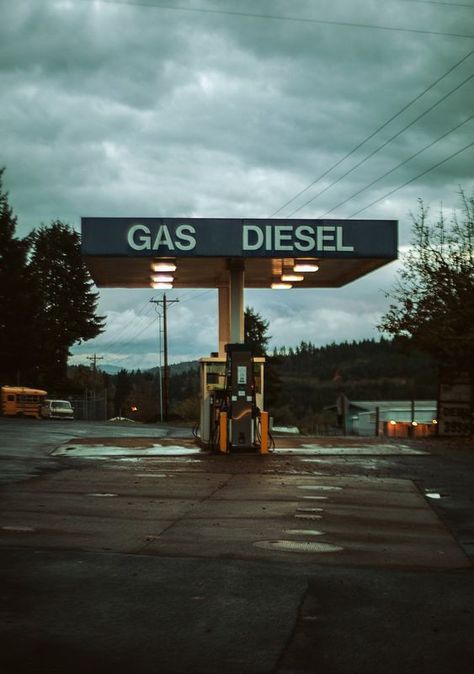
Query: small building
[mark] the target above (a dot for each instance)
(393, 418)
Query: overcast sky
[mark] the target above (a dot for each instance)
(230, 108)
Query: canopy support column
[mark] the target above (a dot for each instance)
(224, 318)
(237, 281)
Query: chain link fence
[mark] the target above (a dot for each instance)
(91, 406)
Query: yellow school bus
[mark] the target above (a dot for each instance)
(22, 401)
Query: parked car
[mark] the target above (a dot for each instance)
(57, 409)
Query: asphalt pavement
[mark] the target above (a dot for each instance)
(127, 549)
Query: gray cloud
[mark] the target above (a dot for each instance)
(115, 109)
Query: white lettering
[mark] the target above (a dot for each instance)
(184, 232)
(163, 238)
(268, 237)
(339, 242)
(246, 244)
(304, 233)
(326, 234)
(142, 242)
(283, 233)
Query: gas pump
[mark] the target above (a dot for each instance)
(232, 415)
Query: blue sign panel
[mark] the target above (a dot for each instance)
(241, 238)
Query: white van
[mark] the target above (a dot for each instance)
(57, 409)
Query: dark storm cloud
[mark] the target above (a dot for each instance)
(116, 109)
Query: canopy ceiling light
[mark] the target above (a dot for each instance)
(165, 266)
(162, 278)
(278, 285)
(305, 267)
(292, 277)
(161, 286)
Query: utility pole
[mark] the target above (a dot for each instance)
(164, 302)
(94, 360)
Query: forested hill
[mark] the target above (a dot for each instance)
(304, 380)
(355, 361)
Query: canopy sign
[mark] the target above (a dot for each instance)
(118, 251)
(206, 237)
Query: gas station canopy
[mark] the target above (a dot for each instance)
(127, 252)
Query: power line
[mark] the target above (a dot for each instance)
(405, 161)
(132, 339)
(380, 147)
(438, 2)
(107, 345)
(277, 17)
(420, 175)
(374, 133)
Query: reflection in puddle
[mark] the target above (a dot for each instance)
(307, 516)
(305, 532)
(99, 451)
(309, 510)
(297, 546)
(101, 494)
(316, 498)
(22, 529)
(320, 487)
(433, 494)
(152, 475)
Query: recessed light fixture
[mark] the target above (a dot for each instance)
(292, 277)
(305, 267)
(162, 278)
(165, 266)
(281, 286)
(161, 286)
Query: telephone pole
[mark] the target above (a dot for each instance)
(164, 302)
(94, 360)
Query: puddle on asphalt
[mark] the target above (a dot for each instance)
(100, 451)
(316, 498)
(309, 510)
(325, 450)
(307, 516)
(433, 494)
(319, 487)
(151, 475)
(297, 546)
(19, 529)
(101, 494)
(305, 532)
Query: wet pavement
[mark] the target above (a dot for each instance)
(137, 552)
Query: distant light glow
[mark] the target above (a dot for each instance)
(414, 423)
(305, 267)
(392, 422)
(434, 421)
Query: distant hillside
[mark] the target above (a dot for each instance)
(311, 378)
(179, 368)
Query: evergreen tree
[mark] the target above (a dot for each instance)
(67, 302)
(17, 301)
(256, 336)
(255, 328)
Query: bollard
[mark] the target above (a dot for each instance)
(263, 432)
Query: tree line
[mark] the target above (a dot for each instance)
(48, 304)
(46, 299)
